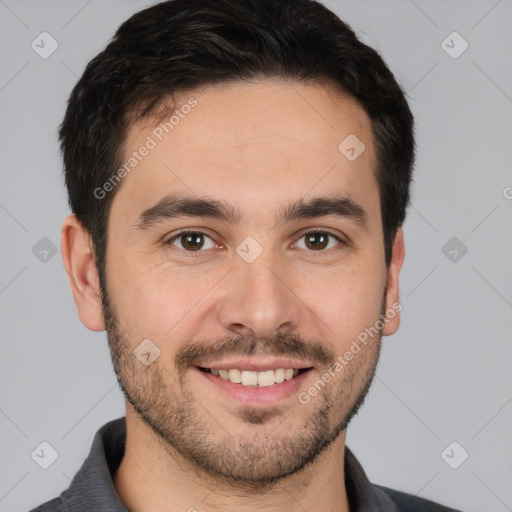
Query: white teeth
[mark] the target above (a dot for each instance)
(288, 374)
(235, 376)
(266, 378)
(252, 378)
(279, 376)
(249, 378)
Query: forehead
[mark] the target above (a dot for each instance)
(250, 143)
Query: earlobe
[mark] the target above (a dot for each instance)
(79, 262)
(393, 307)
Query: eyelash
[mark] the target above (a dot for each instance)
(199, 253)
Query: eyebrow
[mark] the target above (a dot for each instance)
(176, 206)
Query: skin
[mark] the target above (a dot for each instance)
(259, 146)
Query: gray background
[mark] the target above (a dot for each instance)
(444, 377)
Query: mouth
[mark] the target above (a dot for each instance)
(256, 379)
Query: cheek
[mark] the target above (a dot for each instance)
(347, 302)
(154, 300)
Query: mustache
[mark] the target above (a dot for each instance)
(199, 351)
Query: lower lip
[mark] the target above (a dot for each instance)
(257, 396)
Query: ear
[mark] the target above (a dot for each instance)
(79, 260)
(393, 293)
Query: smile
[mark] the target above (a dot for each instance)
(254, 378)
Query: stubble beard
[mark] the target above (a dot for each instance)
(264, 456)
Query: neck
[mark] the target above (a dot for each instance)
(152, 478)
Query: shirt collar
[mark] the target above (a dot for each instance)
(93, 488)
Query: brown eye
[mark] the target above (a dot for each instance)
(319, 240)
(190, 241)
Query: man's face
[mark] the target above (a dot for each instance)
(264, 292)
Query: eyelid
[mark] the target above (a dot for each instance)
(175, 236)
(341, 241)
(339, 236)
(299, 235)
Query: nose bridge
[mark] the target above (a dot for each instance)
(257, 300)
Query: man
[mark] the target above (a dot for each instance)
(238, 172)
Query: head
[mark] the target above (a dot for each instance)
(232, 119)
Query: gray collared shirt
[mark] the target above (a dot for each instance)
(92, 488)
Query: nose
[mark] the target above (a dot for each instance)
(258, 299)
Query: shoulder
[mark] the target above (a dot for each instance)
(409, 503)
(54, 505)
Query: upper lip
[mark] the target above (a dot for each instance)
(256, 365)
